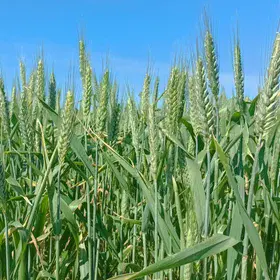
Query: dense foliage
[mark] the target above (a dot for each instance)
(181, 185)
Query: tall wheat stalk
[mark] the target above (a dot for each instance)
(63, 144)
(264, 118)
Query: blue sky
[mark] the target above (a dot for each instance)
(133, 32)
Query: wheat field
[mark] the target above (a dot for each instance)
(182, 184)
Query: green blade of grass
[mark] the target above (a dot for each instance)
(209, 247)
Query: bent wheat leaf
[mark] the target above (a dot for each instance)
(209, 247)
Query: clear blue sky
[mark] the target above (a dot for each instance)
(131, 31)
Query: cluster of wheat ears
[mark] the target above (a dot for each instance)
(181, 185)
